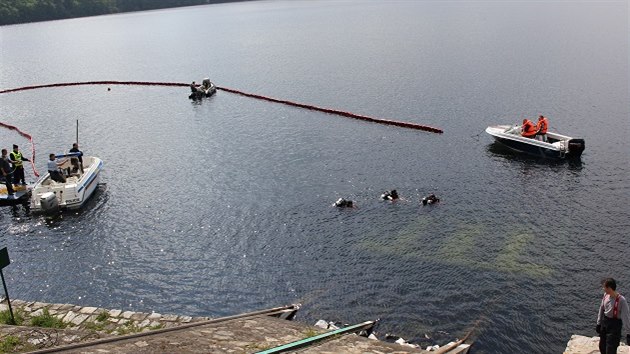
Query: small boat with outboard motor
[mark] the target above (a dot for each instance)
(557, 146)
(206, 89)
(81, 180)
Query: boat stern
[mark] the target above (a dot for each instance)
(575, 147)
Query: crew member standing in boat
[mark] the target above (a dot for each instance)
(7, 172)
(54, 171)
(613, 316)
(541, 126)
(16, 159)
(75, 150)
(529, 129)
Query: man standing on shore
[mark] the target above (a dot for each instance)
(613, 316)
(7, 172)
(16, 159)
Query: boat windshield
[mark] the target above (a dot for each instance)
(513, 130)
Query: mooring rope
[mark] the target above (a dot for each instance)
(28, 136)
(260, 97)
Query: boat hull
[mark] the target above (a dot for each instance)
(557, 147)
(69, 195)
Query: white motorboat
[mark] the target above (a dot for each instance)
(48, 195)
(557, 146)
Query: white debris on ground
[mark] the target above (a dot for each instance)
(388, 337)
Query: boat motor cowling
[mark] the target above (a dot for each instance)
(49, 202)
(576, 147)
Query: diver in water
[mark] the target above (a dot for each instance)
(343, 203)
(390, 195)
(195, 91)
(430, 199)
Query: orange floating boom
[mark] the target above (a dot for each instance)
(260, 97)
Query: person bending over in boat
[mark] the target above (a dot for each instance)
(390, 195)
(54, 169)
(541, 128)
(529, 129)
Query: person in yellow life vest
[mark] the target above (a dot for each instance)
(542, 125)
(529, 129)
(16, 158)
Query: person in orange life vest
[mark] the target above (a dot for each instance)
(542, 125)
(613, 316)
(529, 129)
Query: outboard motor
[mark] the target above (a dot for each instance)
(49, 202)
(576, 147)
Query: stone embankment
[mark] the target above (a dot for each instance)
(98, 330)
(589, 345)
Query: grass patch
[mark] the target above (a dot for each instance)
(96, 326)
(8, 344)
(157, 326)
(5, 317)
(47, 320)
(128, 328)
(310, 332)
(102, 316)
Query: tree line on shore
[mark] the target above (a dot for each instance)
(12, 11)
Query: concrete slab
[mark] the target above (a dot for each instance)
(236, 336)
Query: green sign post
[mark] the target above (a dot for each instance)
(5, 261)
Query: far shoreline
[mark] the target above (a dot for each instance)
(30, 17)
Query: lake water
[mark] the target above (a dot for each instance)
(224, 206)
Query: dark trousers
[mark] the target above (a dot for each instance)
(8, 181)
(57, 176)
(18, 175)
(610, 335)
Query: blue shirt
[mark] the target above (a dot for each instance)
(52, 165)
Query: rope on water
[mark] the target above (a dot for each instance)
(28, 136)
(260, 97)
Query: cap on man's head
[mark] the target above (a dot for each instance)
(15, 146)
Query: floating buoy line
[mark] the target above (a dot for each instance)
(260, 97)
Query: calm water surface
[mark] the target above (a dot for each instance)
(223, 206)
